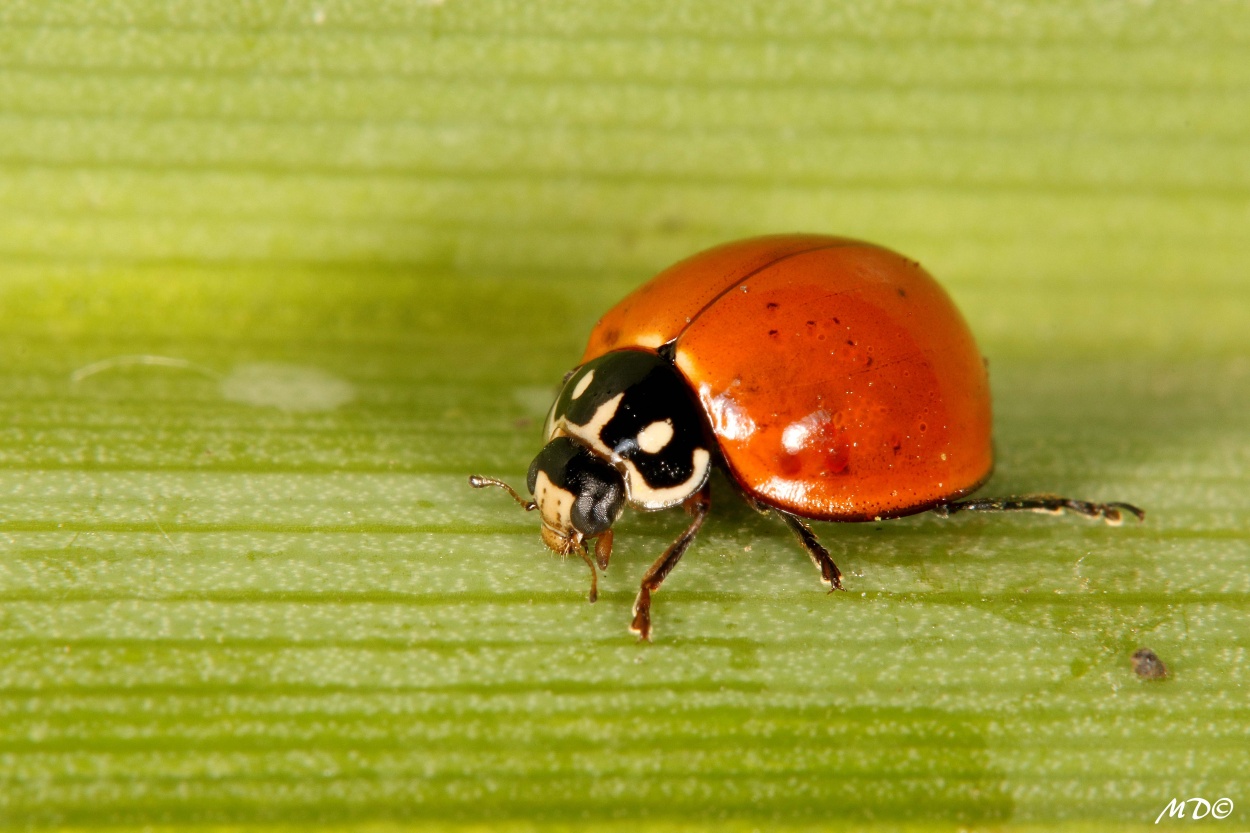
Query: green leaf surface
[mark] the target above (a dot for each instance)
(276, 276)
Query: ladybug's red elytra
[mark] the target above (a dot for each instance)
(832, 379)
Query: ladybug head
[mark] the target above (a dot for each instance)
(625, 428)
(579, 495)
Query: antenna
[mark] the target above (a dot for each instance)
(477, 481)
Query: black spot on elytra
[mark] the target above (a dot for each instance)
(902, 293)
(772, 333)
(772, 305)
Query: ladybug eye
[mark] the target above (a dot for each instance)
(599, 502)
(595, 491)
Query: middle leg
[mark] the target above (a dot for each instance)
(829, 572)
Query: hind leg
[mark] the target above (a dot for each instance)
(1112, 513)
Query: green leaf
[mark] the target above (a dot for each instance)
(275, 277)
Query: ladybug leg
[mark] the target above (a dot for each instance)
(1112, 513)
(829, 572)
(593, 596)
(603, 550)
(697, 506)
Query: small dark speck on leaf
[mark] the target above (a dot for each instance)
(1148, 666)
(672, 224)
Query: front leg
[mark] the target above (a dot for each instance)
(603, 550)
(697, 506)
(581, 550)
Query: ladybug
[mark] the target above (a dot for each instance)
(832, 379)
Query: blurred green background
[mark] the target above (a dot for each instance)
(276, 276)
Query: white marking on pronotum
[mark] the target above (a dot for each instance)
(583, 383)
(655, 436)
(639, 492)
(592, 431)
(588, 433)
(645, 496)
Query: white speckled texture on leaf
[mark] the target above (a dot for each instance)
(275, 277)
